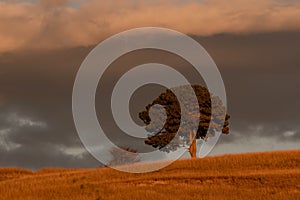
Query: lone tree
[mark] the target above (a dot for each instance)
(161, 137)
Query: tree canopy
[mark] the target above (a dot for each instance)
(160, 137)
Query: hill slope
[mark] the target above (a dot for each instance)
(274, 175)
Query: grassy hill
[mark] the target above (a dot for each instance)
(272, 175)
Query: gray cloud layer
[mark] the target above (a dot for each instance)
(260, 71)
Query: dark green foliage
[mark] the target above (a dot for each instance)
(159, 138)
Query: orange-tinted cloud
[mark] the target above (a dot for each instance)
(54, 24)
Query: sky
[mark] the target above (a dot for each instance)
(254, 43)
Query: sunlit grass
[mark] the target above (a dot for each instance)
(273, 175)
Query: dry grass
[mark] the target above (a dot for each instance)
(274, 175)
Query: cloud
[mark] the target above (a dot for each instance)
(25, 142)
(24, 121)
(289, 133)
(260, 72)
(253, 144)
(56, 24)
(39, 156)
(5, 143)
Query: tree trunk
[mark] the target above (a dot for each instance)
(193, 146)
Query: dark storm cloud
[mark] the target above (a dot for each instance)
(261, 75)
(260, 71)
(37, 88)
(27, 157)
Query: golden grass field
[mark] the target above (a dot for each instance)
(272, 175)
